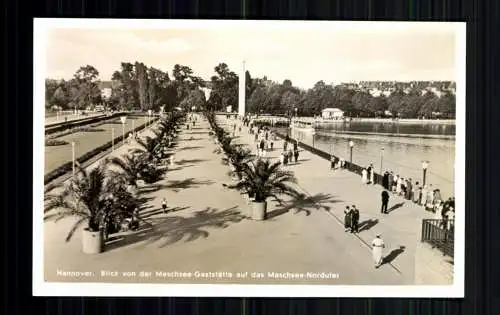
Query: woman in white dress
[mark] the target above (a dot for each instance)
(424, 196)
(372, 176)
(377, 246)
(395, 183)
(399, 185)
(364, 176)
(430, 199)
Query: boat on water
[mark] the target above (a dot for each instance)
(304, 126)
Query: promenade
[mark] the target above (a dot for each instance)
(207, 230)
(333, 190)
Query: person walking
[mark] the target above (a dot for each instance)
(372, 174)
(385, 180)
(355, 219)
(296, 155)
(377, 247)
(409, 189)
(369, 173)
(390, 179)
(395, 183)
(332, 162)
(290, 155)
(282, 158)
(164, 205)
(364, 176)
(385, 201)
(415, 192)
(347, 219)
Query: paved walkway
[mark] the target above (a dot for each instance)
(334, 190)
(206, 230)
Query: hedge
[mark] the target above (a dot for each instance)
(71, 124)
(67, 167)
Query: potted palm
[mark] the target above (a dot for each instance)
(262, 179)
(88, 196)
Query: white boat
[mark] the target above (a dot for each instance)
(304, 126)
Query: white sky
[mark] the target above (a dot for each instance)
(302, 52)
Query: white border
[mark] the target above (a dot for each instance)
(42, 288)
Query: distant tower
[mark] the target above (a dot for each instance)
(242, 90)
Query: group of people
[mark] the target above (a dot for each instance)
(430, 199)
(287, 156)
(264, 140)
(336, 163)
(351, 219)
(368, 175)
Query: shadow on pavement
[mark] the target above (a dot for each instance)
(189, 161)
(191, 148)
(192, 139)
(172, 229)
(393, 254)
(177, 185)
(396, 206)
(304, 203)
(199, 133)
(367, 224)
(149, 213)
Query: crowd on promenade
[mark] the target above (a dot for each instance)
(425, 195)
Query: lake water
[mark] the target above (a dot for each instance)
(399, 147)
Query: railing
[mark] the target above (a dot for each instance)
(439, 234)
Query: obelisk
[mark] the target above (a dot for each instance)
(241, 92)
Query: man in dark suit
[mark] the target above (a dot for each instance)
(385, 201)
(355, 219)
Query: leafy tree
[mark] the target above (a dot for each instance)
(142, 82)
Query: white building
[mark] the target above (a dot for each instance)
(332, 113)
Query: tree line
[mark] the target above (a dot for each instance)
(137, 86)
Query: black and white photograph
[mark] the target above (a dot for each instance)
(248, 158)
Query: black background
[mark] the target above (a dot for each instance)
(482, 278)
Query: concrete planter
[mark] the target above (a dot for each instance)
(92, 242)
(259, 210)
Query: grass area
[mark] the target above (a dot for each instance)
(85, 141)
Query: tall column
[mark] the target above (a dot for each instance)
(241, 93)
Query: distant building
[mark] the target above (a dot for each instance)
(332, 113)
(106, 89)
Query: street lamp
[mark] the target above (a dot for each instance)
(73, 156)
(113, 139)
(123, 119)
(425, 165)
(133, 128)
(296, 111)
(149, 115)
(351, 145)
(381, 159)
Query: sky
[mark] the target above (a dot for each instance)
(333, 52)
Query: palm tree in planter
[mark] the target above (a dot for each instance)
(238, 157)
(148, 146)
(134, 168)
(262, 179)
(88, 196)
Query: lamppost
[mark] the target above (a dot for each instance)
(296, 111)
(123, 119)
(351, 145)
(73, 156)
(113, 139)
(149, 117)
(381, 159)
(133, 128)
(425, 165)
